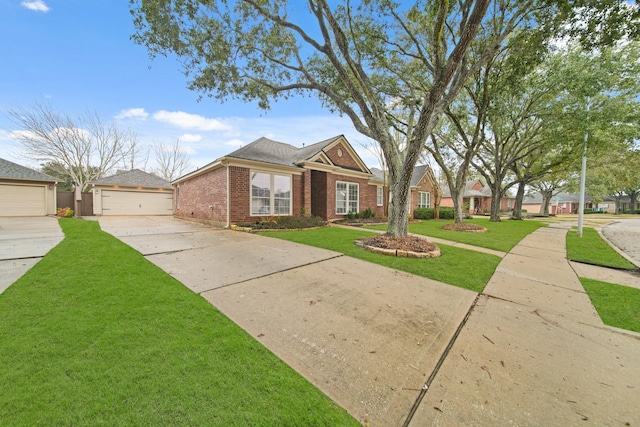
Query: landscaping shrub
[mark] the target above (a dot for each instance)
(286, 223)
(423, 213)
(64, 212)
(636, 211)
(446, 212)
(367, 213)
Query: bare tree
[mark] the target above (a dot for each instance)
(84, 147)
(173, 161)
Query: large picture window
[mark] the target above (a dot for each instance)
(424, 200)
(347, 196)
(270, 194)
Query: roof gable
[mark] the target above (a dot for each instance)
(334, 151)
(133, 178)
(10, 170)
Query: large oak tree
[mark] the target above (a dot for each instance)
(366, 59)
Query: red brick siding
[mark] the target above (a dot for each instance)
(424, 186)
(367, 194)
(319, 194)
(203, 197)
(240, 195)
(346, 161)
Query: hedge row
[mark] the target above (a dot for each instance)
(427, 213)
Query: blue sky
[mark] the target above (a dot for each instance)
(76, 56)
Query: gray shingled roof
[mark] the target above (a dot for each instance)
(418, 173)
(134, 178)
(278, 153)
(536, 198)
(10, 170)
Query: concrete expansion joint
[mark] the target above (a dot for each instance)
(24, 257)
(272, 274)
(436, 369)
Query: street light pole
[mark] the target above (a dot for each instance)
(583, 179)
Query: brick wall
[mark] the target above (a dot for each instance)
(346, 161)
(319, 194)
(203, 197)
(239, 195)
(367, 195)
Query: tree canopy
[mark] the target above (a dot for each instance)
(389, 66)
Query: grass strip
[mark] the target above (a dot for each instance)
(94, 334)
(617, 305)
(459, 267)
(592, 249)
(500, 236)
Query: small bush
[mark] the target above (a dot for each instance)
(64, 212)
(423, 213)
(446, 212)
(286, 223)
(636, 211)
(368, 213)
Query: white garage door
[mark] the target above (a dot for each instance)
(22, 200)
(136, 203)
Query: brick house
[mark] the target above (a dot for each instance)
(478, 197)
(420, 189)
(269, 178)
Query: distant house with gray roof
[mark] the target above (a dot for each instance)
(133, 192)
(26, 192)
(478, 197)
(270, 178)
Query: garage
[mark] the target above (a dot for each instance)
(25, 192)
(116, 202)
(22, 200)
(133, 192)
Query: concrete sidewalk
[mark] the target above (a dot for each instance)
(535, 352)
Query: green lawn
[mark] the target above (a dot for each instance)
(590, 248)
(500, 236)
(459, 267)
(96, 335)
(617, 305)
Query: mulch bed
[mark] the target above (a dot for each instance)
(408, 243)
(470, 228)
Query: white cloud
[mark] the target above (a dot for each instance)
(190, 137)
(132, 113)
(190, 121)
(37, 5)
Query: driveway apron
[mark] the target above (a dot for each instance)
(366, 335)
(23, 242)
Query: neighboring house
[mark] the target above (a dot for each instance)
(567, 203)
(132, 193)
(421, 189)
(478, 197)
(269, 178)
(25, 192)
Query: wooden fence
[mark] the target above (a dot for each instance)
(65, 200)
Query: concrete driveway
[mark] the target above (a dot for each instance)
(365, 335)
(23, 242)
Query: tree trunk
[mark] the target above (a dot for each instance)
(496, 199)
(457, 194)
(399, 209)
(517, 209)
(546, 199)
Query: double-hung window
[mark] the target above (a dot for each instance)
(424, 199)
(270, 194)
(379, 195)
(347, 196)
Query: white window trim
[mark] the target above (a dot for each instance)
(348, 184)
(271, 193)
(427, 196)
(379, 195)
